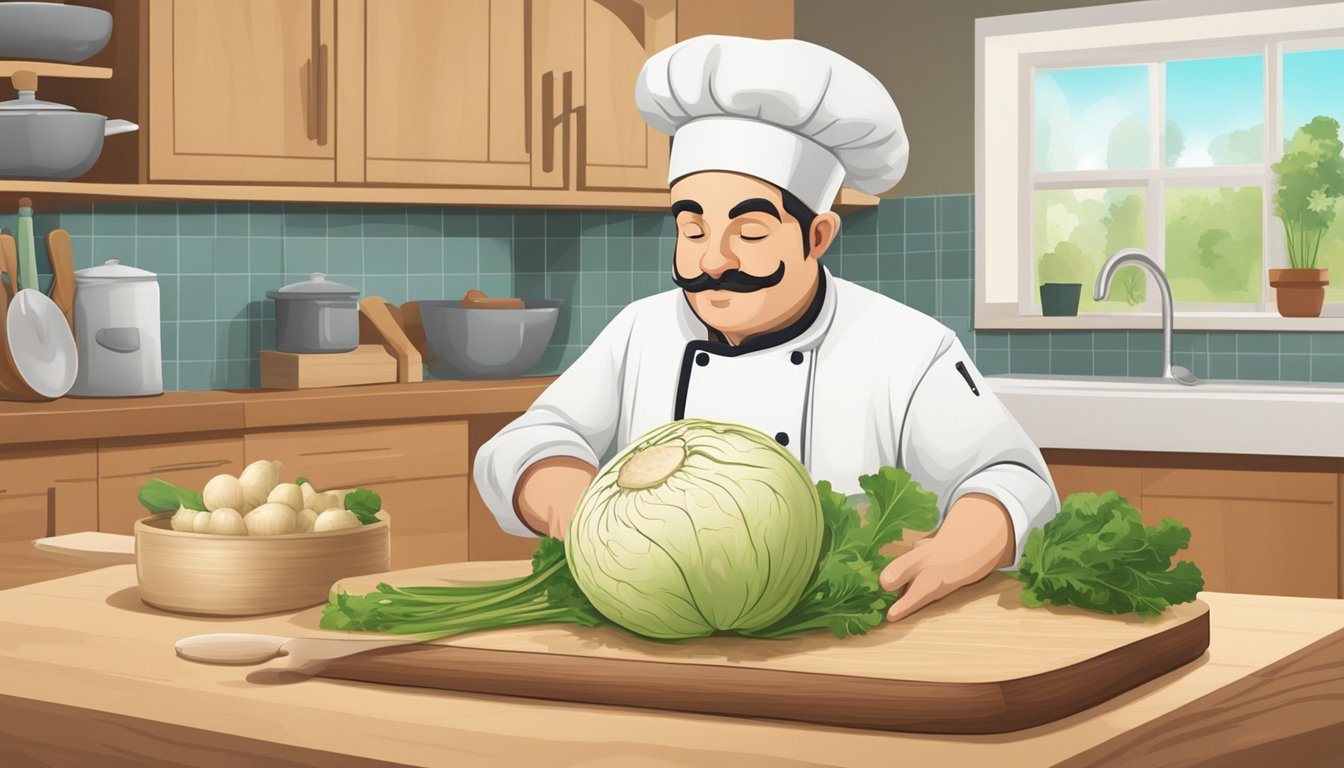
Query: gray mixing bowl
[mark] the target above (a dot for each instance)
(55, 31)
(475, 343)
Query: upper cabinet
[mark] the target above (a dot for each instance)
(240, 90)
(617, 149)
(481, 102)
(445, 91)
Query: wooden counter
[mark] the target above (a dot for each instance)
(1269, 691)
(75, 418)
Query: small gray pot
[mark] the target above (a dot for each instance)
(45, 140)
(316, 316)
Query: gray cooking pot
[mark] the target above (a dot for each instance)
(43, 140)
(316, 315)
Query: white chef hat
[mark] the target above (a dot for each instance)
(789, 112)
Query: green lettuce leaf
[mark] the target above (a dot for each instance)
(1097, 555)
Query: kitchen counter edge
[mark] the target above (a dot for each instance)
(191, 412)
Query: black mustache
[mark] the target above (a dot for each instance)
(731, 280)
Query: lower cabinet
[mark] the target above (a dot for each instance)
(48, 490)
(419, 470)
(124, 464)
(1253, 532)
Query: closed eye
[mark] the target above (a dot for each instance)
(753, 239)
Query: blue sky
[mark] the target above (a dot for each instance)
(1313, 84)
(1209, 97)
(1206, 98)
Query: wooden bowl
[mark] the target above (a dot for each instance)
(216, 575)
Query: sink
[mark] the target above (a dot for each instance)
(1145, 385)
(1106, 413)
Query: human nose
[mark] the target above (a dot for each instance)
(718, 259)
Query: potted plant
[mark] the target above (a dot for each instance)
(1310, 180)
(1061, 273)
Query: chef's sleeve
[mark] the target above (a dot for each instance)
(958, 438)
(575, 417)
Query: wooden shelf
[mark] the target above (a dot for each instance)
(70, 192)
(55, 69)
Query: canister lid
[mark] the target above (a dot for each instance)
(317, 285)
(113, 269)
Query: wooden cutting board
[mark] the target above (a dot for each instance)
(976, 662)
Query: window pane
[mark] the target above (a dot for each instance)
(1076, 230)
(1331, 255)
(1215, 111)
(1214, 244)
(1312, 85)
(1095, 117)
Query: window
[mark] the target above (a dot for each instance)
(1150, 126)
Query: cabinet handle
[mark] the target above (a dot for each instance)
(548, 122)
(322, 64)
(188, 465)
(553, 118)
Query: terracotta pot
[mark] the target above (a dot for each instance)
(1299, 292)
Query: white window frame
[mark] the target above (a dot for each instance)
(1009, 49)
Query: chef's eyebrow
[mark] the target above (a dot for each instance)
(756, 205)
(683, 206)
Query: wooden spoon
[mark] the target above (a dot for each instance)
(63, 273)
(307, 655)
(9, 263)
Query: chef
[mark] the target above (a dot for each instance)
(758, 332)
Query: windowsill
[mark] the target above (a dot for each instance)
(992, 318)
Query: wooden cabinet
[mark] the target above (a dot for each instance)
(419, 470)
(124, 464)
(617, 149)
(532, 94)
(241, 90)
(1267, 532)
(445, 91)
(48, 490)
(514, 98)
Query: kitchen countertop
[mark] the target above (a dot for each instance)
(1228, 417)
(71, 418)
(1269, 690)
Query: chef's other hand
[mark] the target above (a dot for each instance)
(975, 538)
(549, 491)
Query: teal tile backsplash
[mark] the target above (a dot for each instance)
(217, 261)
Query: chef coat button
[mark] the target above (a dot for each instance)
(781, 438)
(702, 359)
(796, 358)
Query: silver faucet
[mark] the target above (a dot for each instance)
(1140, 258)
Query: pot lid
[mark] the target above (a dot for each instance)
(28, 102)
(113, 269)
(316, 285)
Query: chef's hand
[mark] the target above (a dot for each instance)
(975, 538)
(549, 491)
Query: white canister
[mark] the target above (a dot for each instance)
(117, 330)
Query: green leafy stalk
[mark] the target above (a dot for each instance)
(548, 594)
(161, 497)
(1096, 554)
(844, 595)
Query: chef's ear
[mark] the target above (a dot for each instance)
(825, 228)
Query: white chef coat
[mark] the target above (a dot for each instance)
(859, 382)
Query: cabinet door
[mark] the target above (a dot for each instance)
(48, 490)
(419, 470)
(446, 90)
(617, 149)
(1256, 546)
(1080, 478)
(124, 464)
(240, 90)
